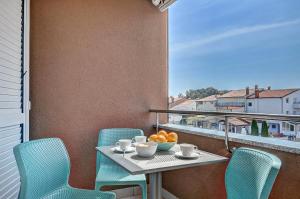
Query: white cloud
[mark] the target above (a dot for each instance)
(229, 34)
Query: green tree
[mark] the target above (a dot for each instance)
(203, 92)
(265, 129)
(254, 128)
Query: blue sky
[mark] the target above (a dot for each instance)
(231, 44)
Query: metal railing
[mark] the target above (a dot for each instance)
(227, 115)
(234, 104)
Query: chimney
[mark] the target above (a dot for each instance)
(256, 92)
(269, 88)
(247, 90)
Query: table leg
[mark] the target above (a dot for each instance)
(155, 185)
(159, 185)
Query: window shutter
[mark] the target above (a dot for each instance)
(12, 115)
(163, 4)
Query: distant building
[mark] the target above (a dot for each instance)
(183, 105)
(207, 103)
(280, 101)
(233, 101)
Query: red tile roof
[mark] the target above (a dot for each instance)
(176, 102)
(208, 99)
(237, 93)
(273, 93)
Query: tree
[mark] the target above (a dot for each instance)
(203, 92)
(180, 95)
(254, 128)
(265, 129)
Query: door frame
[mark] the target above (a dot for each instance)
(26, 68)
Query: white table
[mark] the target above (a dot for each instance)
(161, 161)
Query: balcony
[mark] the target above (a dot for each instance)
(103, 64)
(230, 104)
(296, 105)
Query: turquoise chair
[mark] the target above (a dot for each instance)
(251, 174)
(44, 167)
(108, 172)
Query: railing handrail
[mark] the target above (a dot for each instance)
(281, 117)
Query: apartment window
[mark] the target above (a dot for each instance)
(273, 126)
(250, 104)
(292, 128)
(287, 112)
(287, 100)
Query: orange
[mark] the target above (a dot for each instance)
(162, 132)
(161, 138)
(172, 137)
(153, 137)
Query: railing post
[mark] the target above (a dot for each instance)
(226, 133)
(157, 121)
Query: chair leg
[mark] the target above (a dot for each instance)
(144, 190)
(98, 186)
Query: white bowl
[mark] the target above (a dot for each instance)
(147, 149)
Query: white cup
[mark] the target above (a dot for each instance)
(139, 139)
(187, 149)
(124, 144)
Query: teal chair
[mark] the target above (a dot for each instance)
(108, 172)
(251, 174)
(44, 167)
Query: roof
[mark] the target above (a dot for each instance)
(176, 101)
(274, 93)
(187, 105)
(237, 93)
(208, 99)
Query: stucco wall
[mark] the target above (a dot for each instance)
(95, 64)
(208, 181)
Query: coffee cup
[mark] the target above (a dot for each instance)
(124, 144)
(139, 139)
(187, 149)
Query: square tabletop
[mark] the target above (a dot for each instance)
(161, 161)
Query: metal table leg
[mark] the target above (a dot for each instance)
(155, 185)
(159, 185)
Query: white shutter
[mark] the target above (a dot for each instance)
(163, 4)
(12, 114)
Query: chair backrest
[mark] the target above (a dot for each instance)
(108, 137)
(251, 174)
(44, 166)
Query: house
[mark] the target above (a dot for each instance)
(234, 101)
(207, 103)
(279, 101)
(183, 105)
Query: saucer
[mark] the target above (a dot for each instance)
(119, 150)
(194, 155)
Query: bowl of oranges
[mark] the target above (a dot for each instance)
(164, 140)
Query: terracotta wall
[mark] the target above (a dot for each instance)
(95, 64)
(208, 181)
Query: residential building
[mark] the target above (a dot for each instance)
(279, 101)
(183, 105)
(233, 101)
(207, 103)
